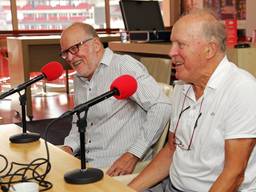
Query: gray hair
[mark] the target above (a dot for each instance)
(212, 28)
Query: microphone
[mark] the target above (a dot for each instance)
(50, 71)
(121, 88)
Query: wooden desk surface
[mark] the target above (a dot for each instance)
(61, 163)
(144, 48)
(243, 57)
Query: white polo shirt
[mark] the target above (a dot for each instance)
(228, 111)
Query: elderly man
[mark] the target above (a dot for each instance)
(119, 132)
(212, 136)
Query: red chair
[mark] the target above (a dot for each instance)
(4, 71)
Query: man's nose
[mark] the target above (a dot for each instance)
(69, 56)
(173, 51)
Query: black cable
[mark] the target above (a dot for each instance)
(28, 172)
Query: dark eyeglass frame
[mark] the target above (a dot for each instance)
(176, 140)
(74, 49)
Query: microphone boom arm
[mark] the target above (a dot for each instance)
(82, 107)
(22, 86)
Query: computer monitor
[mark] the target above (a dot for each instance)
(141, 15)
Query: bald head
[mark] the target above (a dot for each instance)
(86, 28)
(204, 23)
(77, 32)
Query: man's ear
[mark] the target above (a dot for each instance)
(97, 44)
(211, 49)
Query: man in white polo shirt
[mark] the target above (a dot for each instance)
(211, 144)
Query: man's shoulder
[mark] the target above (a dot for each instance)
(127, 62)
(242, 78)
(125, 58)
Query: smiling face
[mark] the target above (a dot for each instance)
(189, 50)
(194, 57)
(89, 54)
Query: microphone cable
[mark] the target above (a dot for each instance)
(28, 172)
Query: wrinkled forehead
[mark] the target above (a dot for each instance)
(187, 28)
(72, 36)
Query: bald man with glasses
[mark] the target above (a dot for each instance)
(119, 133)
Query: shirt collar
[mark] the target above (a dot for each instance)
(219, 74)
(107, 57)
(106, 60)
(215, 80)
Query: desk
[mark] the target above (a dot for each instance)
(243, 57)
(147, 49)
(61, 163)
(153, 55)
(29, 53)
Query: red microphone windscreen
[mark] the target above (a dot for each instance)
(126, 85)
(52, 70)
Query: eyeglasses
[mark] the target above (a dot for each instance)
(73, 49)
(177, 141)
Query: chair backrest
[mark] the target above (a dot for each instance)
(159, 68)
(167, 89)
(161, 141)
(4, 71)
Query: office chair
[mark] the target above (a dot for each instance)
(4, 71)
(162, 139)
(159, 68)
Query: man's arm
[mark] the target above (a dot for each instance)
(237, 154)
(153, 127)
(71, 142)
(157, 170)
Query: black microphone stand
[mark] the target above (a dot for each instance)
(24, 137)
(83, 175)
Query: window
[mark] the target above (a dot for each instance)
(58, 14)
(5, 15)
(116, 20)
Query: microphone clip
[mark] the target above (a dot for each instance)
(82, 122)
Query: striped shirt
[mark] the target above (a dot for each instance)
(118, 126)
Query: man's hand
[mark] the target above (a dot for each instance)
(67, 149)
(123, 165)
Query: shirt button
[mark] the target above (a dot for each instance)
(89, 141)
(90, 89)
(87, 151)
(91, 124)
